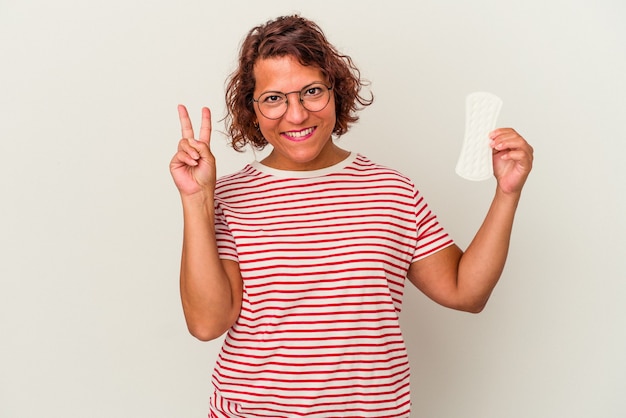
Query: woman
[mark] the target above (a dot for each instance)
(302, 257)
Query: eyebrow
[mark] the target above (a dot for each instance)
(302, 88)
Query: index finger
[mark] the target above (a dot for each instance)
(185, 122)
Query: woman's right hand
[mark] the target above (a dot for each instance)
(193, 165)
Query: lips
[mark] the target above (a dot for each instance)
(299, 135)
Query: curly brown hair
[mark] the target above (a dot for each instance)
(304, 40)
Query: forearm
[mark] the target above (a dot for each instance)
(465, 280)
(481, 266)
(207, 294)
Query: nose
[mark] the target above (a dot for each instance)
(296, 112)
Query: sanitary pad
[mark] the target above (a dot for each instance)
(481, 113)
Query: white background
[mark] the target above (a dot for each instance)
(90, 221)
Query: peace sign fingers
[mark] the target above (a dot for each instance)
(193, 165)
(187, 128)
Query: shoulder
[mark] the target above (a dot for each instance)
(237, 181)
(247, 174)
(365, 167)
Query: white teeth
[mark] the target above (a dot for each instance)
(300, 134)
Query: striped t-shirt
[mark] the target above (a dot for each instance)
(323, 255)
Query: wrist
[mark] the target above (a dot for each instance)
(507, 198)
(199, 202)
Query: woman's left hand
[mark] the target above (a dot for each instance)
(512, 159)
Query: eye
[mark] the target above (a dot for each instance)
(313, 91)
(272, 99)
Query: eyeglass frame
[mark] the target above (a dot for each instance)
(300, 99)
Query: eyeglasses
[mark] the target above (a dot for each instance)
(314, 97)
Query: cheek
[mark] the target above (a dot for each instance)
(267, 127)
(268, 130)
(333, 110)
(261, 122)
(332, 117)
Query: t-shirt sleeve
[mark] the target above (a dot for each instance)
(225, 241)
(431, 236)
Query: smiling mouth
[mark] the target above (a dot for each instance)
(300, 134)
